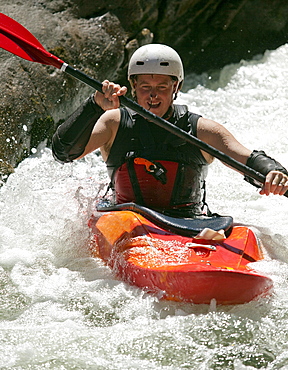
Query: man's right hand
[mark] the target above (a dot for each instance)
(109, 98)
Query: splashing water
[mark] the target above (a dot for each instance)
(62, 309)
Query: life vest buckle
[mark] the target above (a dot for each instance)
(153, 168)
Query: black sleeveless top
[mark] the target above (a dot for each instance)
(137, 137)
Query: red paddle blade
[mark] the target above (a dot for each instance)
(19, 41)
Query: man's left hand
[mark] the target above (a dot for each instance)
(276, 182)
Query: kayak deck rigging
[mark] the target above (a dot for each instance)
(182, 226)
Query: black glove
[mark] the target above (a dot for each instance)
(262, 163)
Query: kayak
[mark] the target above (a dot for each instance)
(184, 260)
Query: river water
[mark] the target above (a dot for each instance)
(62, 309)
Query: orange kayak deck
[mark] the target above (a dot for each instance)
(176, 267)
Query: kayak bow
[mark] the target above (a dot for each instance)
(179, 267)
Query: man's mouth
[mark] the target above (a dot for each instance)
(153, 105)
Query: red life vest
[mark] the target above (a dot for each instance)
(148, 190)
(157, 184)
(151, 167)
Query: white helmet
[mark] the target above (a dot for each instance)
(156, 59)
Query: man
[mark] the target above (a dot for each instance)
(146, 164)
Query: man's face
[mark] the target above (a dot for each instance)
(155, 92)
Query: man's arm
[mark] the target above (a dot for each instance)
(219, 137)
(72, 139)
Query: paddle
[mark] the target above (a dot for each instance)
(19, 41)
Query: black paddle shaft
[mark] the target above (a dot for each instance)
(249, 172)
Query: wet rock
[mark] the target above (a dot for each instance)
(34, 98)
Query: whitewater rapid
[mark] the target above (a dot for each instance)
(62, 309)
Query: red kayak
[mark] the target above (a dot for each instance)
(173, 258)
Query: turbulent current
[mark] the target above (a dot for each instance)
(62, 309)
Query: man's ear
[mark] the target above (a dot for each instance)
(177, 87)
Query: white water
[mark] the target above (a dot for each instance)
(61, 309)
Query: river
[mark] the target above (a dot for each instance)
(62, 309)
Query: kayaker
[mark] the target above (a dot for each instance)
(146, 164)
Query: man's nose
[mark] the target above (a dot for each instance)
(153, 94)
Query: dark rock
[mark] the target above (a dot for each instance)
(33, 95)
(212, 34)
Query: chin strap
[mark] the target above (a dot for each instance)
(262, 163)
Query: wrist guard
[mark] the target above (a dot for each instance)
(72, 136)
(262, 163)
